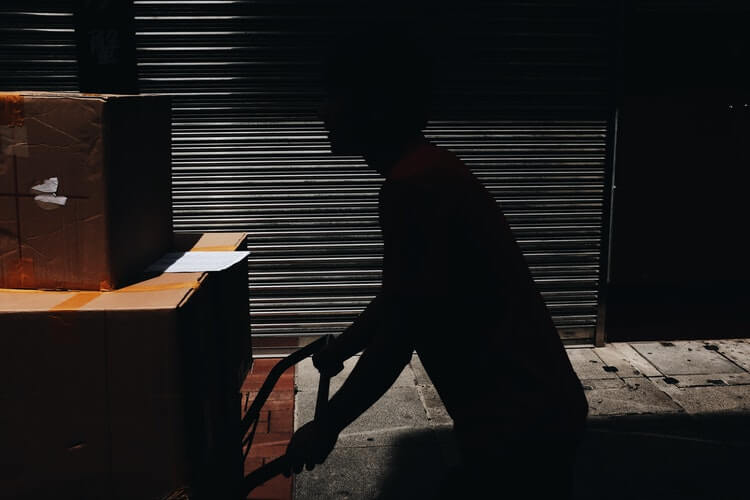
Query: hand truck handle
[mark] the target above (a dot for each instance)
(281, 464)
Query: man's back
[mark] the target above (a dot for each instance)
(463, 291)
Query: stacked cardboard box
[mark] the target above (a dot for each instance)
(113, 383)
(127, 394)
(84, 188)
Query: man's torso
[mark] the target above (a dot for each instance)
(465, 294)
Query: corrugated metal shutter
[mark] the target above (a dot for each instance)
(38, 49)
(250, 155)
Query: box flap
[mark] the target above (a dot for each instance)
(219, 242)
(166, 291)
(31, 300)
(163, 291)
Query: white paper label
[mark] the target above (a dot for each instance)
(50, 201)
(192, 262)
(46, 194)
(49, 186)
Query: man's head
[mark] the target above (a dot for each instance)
(377, 86)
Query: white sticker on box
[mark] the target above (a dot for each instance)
(46, 194)
(50, 201)
(190, 262)
(49, 186)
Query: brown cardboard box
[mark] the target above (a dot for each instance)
(128, 394)
(85, 188)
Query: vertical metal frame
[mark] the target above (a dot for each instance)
(616, 74)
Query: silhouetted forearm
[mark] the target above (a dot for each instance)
(360, 332)
(379, 366)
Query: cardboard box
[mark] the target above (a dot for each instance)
(129, 394)
(85, 188)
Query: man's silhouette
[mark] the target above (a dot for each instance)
(456, 289)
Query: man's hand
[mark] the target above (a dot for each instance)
(328, 361)
(310, 446)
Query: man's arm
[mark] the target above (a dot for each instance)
(380, 364)
(387, 330)
(410, 280)
(356, 337)
(378, 367)
(359, 334)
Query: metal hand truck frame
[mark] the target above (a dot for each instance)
(251, 418)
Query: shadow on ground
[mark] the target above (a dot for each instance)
(665, 457)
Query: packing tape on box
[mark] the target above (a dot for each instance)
(215, 249)
(13, 136)
(77, 301)
(11, 110)
(82, 298)
(14, 141)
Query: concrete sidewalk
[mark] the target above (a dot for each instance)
(668, 420)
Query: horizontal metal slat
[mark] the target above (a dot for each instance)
(38, 46)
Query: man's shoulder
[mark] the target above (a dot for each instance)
(428, 163)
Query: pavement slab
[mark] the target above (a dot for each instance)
(588, 365)
(607, 383)
(668, 419)
(308, 376)
(433, 405)
(407, 470)
(625, 363)
(420, 374)
(635, 396)
(701, 400)
(339, 477)
(684, 358)
(711, 380)
(736, 350)
(398, 412)
(635, 359)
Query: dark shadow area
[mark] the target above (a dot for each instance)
(678, 264)
(688, 311)
(417, 467)
(664, 457)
